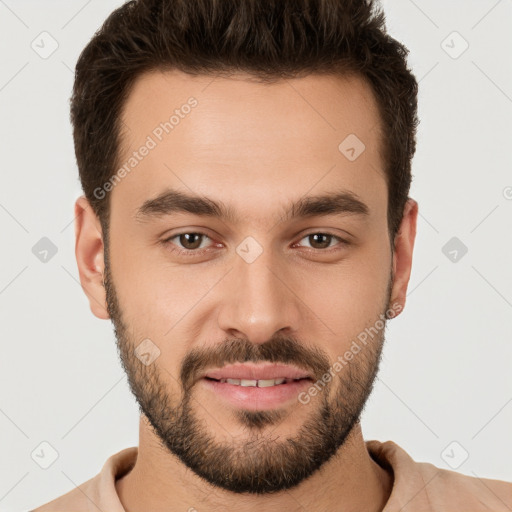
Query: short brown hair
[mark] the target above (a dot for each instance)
(270, 39)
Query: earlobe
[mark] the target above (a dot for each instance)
(402, 257)
(90, 257)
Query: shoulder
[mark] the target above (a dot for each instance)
(472, 492)
(75, 500)
(431, 488)
(99, 492)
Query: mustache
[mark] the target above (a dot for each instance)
(279, 349)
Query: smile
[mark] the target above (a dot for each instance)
(260, 383)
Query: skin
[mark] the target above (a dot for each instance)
(255, 147)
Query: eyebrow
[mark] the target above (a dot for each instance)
(173, 201)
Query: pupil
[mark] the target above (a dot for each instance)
(186, 242)
(322, 244)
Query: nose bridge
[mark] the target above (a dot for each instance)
(258, 303)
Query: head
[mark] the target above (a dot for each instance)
(246, 169)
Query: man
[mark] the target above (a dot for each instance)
(246, 225)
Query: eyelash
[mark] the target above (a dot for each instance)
(196, 252)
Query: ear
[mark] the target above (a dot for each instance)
(402, 255)
(89, 256)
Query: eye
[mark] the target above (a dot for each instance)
(194, 243)
(320, 241)
(188, 242)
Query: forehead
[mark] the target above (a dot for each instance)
(242, 141)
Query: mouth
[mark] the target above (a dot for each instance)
(256, 387)
(250, 372)
(260, 383)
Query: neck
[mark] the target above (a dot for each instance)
(160, 482)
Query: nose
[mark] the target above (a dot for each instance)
(258, 301)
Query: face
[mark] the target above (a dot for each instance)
(249, 270)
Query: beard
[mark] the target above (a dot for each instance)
(262, 463)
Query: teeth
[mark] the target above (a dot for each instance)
(262, 383)
(247, 383)
(267, 383)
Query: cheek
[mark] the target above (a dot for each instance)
(149, 300)
(160, 301)
(350, 296)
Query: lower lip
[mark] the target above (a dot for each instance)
(254, 398)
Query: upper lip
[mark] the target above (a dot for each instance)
(251, 371)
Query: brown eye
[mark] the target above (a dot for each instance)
(320, 240)
(187, 243)
(190, 241)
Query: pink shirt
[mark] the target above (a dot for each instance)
(417, 486)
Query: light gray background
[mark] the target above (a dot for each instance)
(446, 371)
